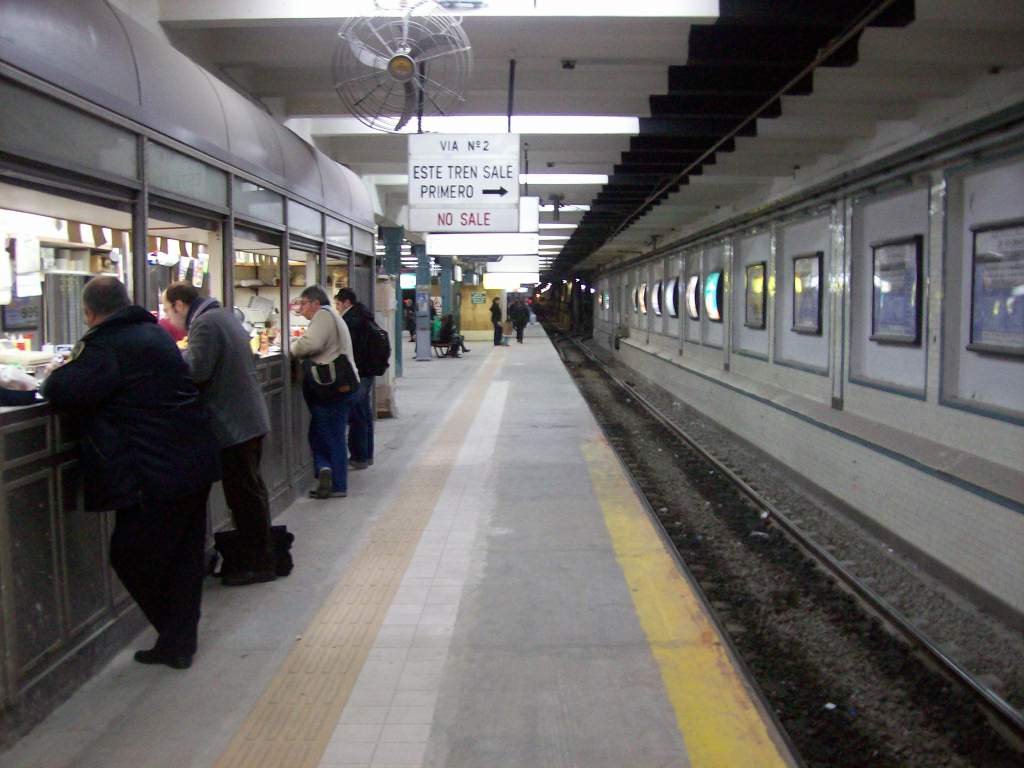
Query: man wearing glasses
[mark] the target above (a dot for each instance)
(325, 341)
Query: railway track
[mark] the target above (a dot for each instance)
(804, 636)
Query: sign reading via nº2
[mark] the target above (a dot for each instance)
(464, 182)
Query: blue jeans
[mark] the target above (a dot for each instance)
(327, 425)
(360, 422)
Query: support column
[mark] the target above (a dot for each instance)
(422, 302)
(447, 268)
(392, 237)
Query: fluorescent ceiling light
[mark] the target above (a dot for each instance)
(522, 124)
(697, 11)
(559, 226)
(554, 237)
(542, 179)
(565, 208)
(509, 281)
(482, 244)
(529, 214)
(513, 264)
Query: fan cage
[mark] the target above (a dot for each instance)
(422, 31)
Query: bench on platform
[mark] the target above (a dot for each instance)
(440, 348)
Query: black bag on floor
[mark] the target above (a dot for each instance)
(230, 548)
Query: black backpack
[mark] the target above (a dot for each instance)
(378, 349)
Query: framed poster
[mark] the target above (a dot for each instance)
(672, 297)
(896, 291)
(753, 315)
(713, 296)
(997, 288)
(807, 293)
(693, 297)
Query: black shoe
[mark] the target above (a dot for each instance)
(324, 483)
(158, 656)
(355, 464)
(315, 494)
(241, 578)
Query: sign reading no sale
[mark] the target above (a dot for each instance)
(463, 182)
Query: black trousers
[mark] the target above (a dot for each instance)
(249, 502)
(519, 333)
(158, 552)
(497, 333)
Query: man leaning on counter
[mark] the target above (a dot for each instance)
(147, 452)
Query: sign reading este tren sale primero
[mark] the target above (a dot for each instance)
(464, 182)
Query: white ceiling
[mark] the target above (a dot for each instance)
(953, 62)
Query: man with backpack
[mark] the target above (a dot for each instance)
(372, 351)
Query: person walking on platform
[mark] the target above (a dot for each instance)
(496, 320)
(220, 360)
(519, 314)
(362, 328)
(149, 453)
(326, 345)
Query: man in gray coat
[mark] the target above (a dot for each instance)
(221, 363)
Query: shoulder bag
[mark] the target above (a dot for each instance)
(331, 382)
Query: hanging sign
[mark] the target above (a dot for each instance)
(464, 182)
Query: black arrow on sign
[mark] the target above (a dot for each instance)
(500, 191)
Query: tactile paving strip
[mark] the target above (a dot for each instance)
(291, 724)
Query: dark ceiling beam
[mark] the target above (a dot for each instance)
(712, 105)
(797, 13)
(680, 159)
(636, 169)
(707, 128)
(764, 79)
(676, 143)
(787, 46)
(757, 51)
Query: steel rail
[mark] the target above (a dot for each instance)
(993, 704)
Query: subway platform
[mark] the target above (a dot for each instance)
(491, 594)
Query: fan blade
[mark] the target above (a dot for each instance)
(364, 54)
(409, 107)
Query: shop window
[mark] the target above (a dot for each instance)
(336, 274)
(257, 283)
(254, 201)
(338, 233)
(305, 220)
(182, 248)
(302, 272)
(52, 246)
(185, 176)
(35, 126)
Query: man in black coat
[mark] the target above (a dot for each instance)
(220, 361)
(360, 418)
(147, 452)
(519, 314)
(496, 320)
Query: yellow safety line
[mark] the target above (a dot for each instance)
(291, 724)
(716, 714)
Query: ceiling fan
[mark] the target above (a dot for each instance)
(409, 60)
